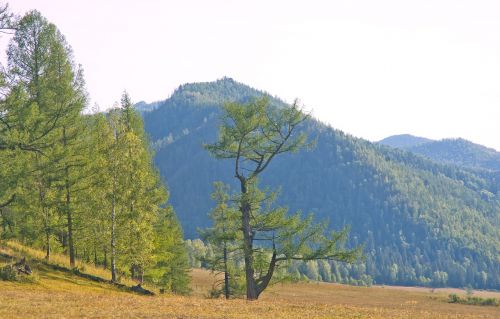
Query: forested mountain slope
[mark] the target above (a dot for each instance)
(460, 152)
(456, 151)
(420, 222)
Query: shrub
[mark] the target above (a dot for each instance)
(8, 273)
(453, 298)
(469, 300)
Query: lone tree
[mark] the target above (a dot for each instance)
(252, 135)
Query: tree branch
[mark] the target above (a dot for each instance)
(12, 198)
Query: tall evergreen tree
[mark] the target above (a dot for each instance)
(87, 181)
(252, 135)
(52, 96)
(132, 192)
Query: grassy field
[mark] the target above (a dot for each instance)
(60, 294)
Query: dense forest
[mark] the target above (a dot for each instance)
(421, 222)
(81, 183)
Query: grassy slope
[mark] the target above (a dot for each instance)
(59, 294)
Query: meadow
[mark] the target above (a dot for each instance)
(62, 294)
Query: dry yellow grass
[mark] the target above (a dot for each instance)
(62, 295)
(16, 249)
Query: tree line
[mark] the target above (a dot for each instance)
(81, 183)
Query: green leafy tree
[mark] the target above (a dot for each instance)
(42, 110)
(144, 238)
(85, 181)
(252, 135)
(37, 200)
(225, 239)
(96, 227)
(170, 268)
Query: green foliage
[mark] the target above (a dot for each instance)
(145, 239)
(8, 273)
(470, 300)
(252, 135)
(11, 273)
(224, 237)
(170, 266)
(84, 185)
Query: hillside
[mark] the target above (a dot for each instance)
(404, 141)
(62, 294)
(455, 151)
(460, 152)
(421, 223)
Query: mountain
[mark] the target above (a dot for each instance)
(421, 222)
(455, 151)
(142, 106)
(460, 152)
(404, 141)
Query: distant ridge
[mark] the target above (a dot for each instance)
(455, 151)
(404, 141)
(145, 107)
(461, 152)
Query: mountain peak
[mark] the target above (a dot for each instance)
(461, 152)
(404, 141)
(219, 92)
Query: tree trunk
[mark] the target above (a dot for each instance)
(105, 261)
(47, 243)
(71, 245)
(226, 274)
(267, 278)
(113, 234)
(4, 222)
(245, 209)
(95, 255)
(64, 241)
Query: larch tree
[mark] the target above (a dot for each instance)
(224, 236)
(252, 135)
(135, 196)
(45, 121)
(85, 181)
(170, 268)
(96, 227)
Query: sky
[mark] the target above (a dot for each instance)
(370, 68)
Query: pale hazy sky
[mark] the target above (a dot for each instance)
(371, 68)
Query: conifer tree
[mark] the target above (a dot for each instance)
(252, 135)
(87, 181)
(101, 143)
(170, 268)
(45, 118)
(145, 239)
(225, 238)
